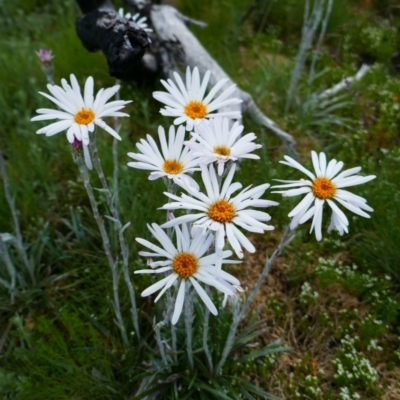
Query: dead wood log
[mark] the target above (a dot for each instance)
(174, 44)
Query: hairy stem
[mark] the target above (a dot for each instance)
(205, 335)
(189, 326)
(119, 228)
(14, 213)
(171, 188)
(231, 336)
(157, 330)
(117, 128)
(10, 268)
(106, 244)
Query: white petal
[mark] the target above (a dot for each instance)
(315, 161)
(307, 215)
(243, 240)
(204, 296)
(180, 298)
(303, 205)
(317, 220)
(340, 214)
(173, 278)
(88, 95)
(86, 154)
(156, 286)
(293, 163)
(353, 208)
(322, 163)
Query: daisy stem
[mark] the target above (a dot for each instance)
(189, 326)
(106, 244)
(157, 329)
(238, 317)
(117, 128)
(120, 231)
(10, 267)
(173, 337)
(171, 188)
(205, 335)
(286, 238)
(14, 213)
(48, 70)
(231, 336)
(115, 172)
(170, 305)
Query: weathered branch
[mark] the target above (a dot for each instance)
(345, 82)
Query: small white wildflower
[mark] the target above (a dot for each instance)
(325, 186)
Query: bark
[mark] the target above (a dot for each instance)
(122, 42)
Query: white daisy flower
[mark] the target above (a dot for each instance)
(188, 265)
(220, 212)
(189, 104)
(217, 142)
(79, 114)
(174, 161)
(141, 22)
(324, 186)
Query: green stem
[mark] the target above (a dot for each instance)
(14, 213)
(189, 326)
(205, 335)
(106, 243)
(119, 228)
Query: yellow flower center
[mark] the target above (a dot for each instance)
(222, 150)
(323, 188)
(172, 167)
(185, 264)
(221, 211)
(196, 110)
(84, 117)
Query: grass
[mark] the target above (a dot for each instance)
(59, 337)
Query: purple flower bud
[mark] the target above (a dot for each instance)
(45, 56)
(77, 144)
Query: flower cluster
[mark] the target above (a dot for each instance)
(191, 247)
(307, 294)
(353, 367)
(214, 215)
